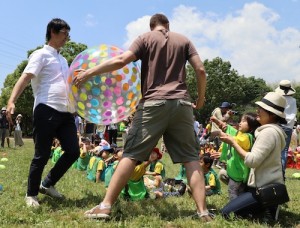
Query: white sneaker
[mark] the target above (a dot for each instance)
(52, 192)
(32, 201)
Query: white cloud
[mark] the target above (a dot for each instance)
(135, 28)
(248, 38)
(90, 20)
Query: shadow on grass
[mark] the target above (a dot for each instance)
(123, 210)
(57, 204)
(166, 210)
(289, 219)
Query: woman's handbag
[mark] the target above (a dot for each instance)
(272, 194)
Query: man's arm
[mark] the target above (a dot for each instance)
(107, 66)
(198, 67)
(17, 91)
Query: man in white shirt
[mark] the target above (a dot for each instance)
(285, 88)
(47, 70)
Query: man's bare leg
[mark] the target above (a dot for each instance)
(195, 178)
(117, 183)
(119, 180)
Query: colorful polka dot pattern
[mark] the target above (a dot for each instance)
(106, 98)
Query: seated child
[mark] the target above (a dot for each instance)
(157, 168)
(160, 188)
(212, 183)
(53, 147)
(135, 188)
(57, 152)
(111, 165)
(181, 177)
(96, 167)
(84, 157)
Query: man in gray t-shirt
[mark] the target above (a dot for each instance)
(164, 110)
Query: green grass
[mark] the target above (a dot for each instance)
(82, 195)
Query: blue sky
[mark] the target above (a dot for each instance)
(259, 38)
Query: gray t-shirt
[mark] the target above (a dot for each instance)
(163, 55)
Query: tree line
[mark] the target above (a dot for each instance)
(223, 84)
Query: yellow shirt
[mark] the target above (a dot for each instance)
(243, 140)
(158, 168)
(138, 172)
(82, 154)
(100, 166)
(212, 180)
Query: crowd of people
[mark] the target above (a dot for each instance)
(252, 153)
(6, 128)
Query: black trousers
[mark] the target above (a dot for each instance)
(2, 135)
(113, 134)
(47, 124)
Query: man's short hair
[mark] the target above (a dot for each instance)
(158, 19)
(56, 24)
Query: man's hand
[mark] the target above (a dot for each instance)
(10, 110)
(80, 76)
(226, 138)
(199, 103)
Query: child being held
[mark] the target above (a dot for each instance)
(236, 173)
(212, 183)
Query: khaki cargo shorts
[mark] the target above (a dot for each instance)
(171, 118)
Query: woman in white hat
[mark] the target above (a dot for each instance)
(285, 89)
(18, 131)
(263, 159)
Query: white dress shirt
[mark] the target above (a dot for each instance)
(49, 85)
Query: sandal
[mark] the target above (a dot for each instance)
(100, 211)
(206, 216)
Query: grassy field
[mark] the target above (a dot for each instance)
(82, 194)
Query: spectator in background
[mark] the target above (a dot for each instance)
(222, 113)
(112, 134)
(78, 123)
(100, 131)
(18, 131)
(4, 127)
(197, 127)
(123, 129)
(287, 91)
(297, 134)
(89, 130)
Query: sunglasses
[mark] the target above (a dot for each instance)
(65, 32)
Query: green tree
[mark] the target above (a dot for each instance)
(225, 84)
(25, 102)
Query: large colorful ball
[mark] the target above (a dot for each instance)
(106, 98)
